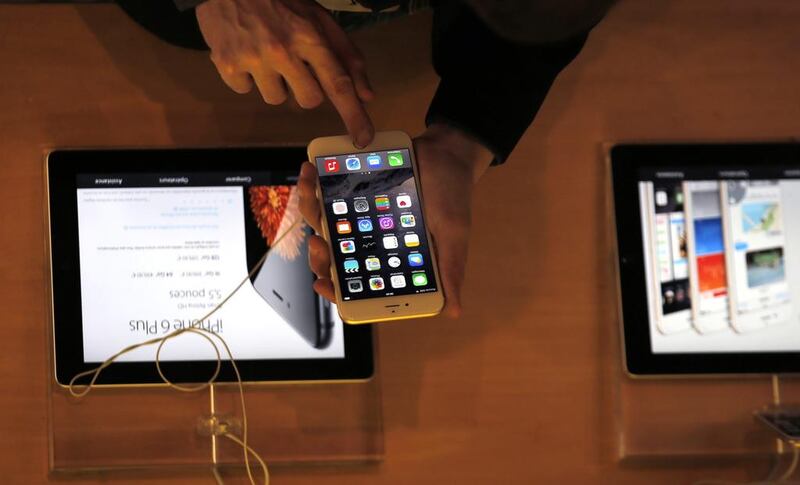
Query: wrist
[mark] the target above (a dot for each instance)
(461, 148)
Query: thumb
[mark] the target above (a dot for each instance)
(451, 250)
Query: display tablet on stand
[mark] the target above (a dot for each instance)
(709, 257)
(145, 242)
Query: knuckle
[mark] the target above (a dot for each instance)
(342, 85)
(223, 61)
(305, 25)
(247, 53)
(276, 52)
(306, 30)
(232, 54)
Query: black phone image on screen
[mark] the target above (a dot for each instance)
(285, 281)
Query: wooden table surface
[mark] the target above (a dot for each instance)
(519, 390)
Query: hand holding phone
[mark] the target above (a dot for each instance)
(448, 166)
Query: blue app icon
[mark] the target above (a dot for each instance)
(353, 163)
(364, 225)
(351, 266)
(374, 161)
(415, 259)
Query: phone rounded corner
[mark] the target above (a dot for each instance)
(339, 309)
(440, 306)
(313, 147)
(354, 320)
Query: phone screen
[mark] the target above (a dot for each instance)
(756, 238)
(670, 259)
(375, 224)
(709, 288)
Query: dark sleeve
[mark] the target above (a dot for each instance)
(491, 88)
(187, 4)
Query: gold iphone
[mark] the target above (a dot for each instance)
(383, 265)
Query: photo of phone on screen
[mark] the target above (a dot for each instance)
(665, 238)
(383, 263)
(755, 243)
(285, 281)
(706, 244)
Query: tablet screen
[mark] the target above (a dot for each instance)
(157, 251)
(721, 252)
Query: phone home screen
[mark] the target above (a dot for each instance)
(375, 224)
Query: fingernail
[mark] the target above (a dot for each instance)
(363, 139)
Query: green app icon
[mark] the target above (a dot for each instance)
(419, 279)
(395, 159)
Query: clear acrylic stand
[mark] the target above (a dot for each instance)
(665, 419)
(155, 428)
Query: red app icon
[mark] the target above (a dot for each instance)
(331, 165)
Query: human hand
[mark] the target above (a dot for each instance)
(294, 43)
(450, 163)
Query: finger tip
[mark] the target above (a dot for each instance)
(366, 95)
(306, 169)
(454, 312)
(452, 309)
(324, 287)
(364, 137)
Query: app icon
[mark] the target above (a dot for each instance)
(364, 225)
(374, 161)
(368, 244)
(411, 240)
(661, 198)
(386, 222)
(376, 283)
(353, 163)
(351, 266)
(340, 208)
(398, 281)
(403, 201)
(372, 264)
(331, 165)
(382, 203)
(347, 247)
(394, 262)
(343, 227)
(361, 205)
(415, 260)
(408, 220)
(419, 279)
(355, 286)
(390, 242)
(395, 159)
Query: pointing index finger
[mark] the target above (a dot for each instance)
(339, 87)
